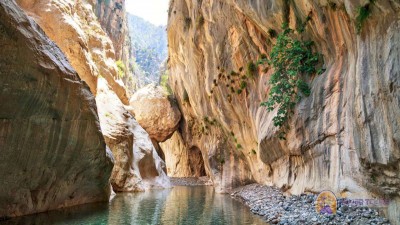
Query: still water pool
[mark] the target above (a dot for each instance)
(180, 205)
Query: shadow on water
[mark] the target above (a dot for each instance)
(180, 205)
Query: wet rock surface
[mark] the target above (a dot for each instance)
(276, 208)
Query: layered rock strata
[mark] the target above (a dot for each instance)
(53, 154)
(74, 27)
(137, 167)
(344, 137)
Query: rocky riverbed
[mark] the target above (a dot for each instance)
(276, 208)
(190, 181)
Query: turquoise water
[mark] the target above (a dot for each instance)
(180, 205)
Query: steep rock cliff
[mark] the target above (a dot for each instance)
(180, 160)
(344, 137)
(74, 27)
(137, 165)
(52, 152)
(113, 19)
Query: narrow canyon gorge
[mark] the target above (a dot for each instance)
(79, 125)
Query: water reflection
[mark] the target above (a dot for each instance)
(180, 205)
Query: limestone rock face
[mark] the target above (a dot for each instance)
(74, 27)
(113, 19)
(137, 164)
(155, 112)
(342, 138)
(180, 160)
(53, 154)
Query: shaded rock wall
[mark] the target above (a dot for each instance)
(180, 160)
(52, 152)
(344, 137)
(137, 165)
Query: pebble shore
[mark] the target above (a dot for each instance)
(190, 181)
(275, 208)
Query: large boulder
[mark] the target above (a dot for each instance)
(155, 112)
(137, 165)
(53, 154)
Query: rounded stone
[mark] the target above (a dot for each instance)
(155, 112)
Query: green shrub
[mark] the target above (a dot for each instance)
(291, 59)
(332, 5)
(200, 21)
(363, 12)
(251, 69)
(243, 85)
(121, 69)
(263, 57)
(164, 83)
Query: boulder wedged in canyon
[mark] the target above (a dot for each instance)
(74, 27)
(53, 154)
(155, 112)
(344, 137)
(137, 165)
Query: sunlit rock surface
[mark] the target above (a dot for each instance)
(137, 164)
(113, 19)
(155, 111)
(344, 137)
(53, 154)
(74, 27)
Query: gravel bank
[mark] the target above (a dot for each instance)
(275, 208)
(190, 181)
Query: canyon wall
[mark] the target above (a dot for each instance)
(137, 165)
(344, 137)
(74, 27)
(52, 151)
(94, 48)
(113, 19)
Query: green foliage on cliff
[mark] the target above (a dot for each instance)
(291, 59)
(121, 69)
(363, 12)
(200, 21)
(251, 69)
(165, 84)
